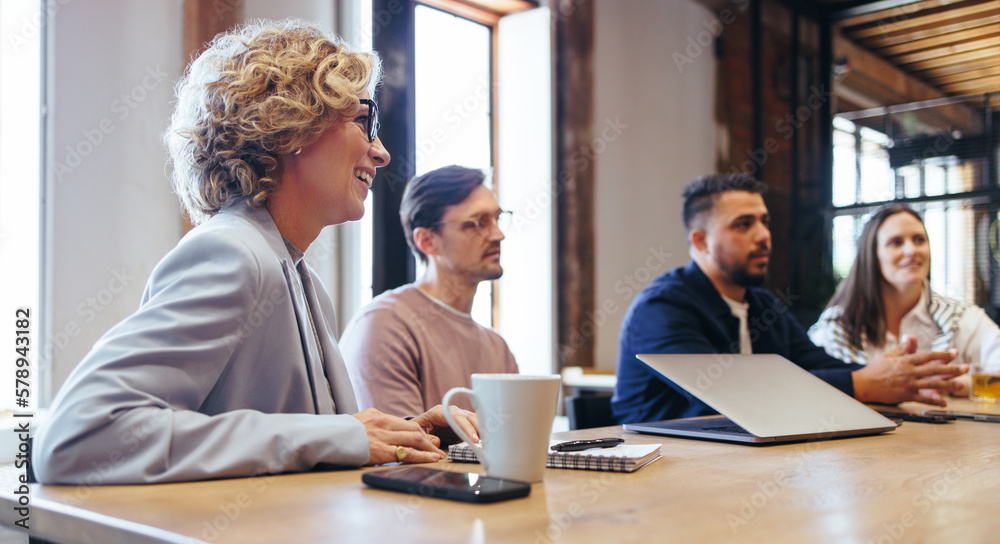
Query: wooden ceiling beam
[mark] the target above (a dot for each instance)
(484, 12)
(966, 76)
(882, 84)
(990, 52)
(478, 14)
(911, 35)
(898, 12)
(948, 51)
(937, 41)
(976, 86)
(896, 25)
(957, 68)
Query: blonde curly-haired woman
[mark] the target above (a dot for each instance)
(230, 366)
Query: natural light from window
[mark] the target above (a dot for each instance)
(20, 202)
(453, 98)
(367, 225)
(863, 175)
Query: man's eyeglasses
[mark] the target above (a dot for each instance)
(371, 124)
(484, 223)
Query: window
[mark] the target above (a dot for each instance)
(498, 54)
(943, 174)
(453, 105)
(20, 175)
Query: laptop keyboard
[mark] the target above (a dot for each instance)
(727, 429)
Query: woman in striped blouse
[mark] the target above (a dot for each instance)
(887, 296)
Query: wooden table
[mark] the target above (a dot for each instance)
(920, 483)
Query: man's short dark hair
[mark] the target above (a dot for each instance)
(428, 196)
(701, 193)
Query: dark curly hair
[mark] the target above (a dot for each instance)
(701, 193)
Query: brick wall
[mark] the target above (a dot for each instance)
(799, 242)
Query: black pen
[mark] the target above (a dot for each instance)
(580, 445)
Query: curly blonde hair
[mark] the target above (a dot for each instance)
(260, 91)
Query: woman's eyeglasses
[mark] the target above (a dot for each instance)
(371, 125)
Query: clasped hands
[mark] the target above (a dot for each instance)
(416, 440)
(901, 374)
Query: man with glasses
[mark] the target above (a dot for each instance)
(409, 346)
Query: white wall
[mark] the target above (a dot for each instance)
(110, 213)
(654, 130)
(320, 12)
(527, 288)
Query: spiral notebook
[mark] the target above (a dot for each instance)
(621, 458)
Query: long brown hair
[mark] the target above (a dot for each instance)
(860, 294)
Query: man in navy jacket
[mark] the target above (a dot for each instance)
(715, 305)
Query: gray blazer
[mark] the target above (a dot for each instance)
(217, 374)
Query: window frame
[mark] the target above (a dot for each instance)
(984, 198)
(393, 264)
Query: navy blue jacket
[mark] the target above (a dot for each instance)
(682, 312)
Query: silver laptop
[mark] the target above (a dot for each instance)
(762, 399)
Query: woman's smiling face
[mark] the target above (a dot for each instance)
(334, 173)
(904, 254)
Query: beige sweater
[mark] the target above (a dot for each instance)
(406, 349)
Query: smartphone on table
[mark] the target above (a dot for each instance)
(444, 484)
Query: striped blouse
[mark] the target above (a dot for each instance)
(939, 323)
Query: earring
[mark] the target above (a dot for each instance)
(297, 151)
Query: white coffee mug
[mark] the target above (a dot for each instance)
(515, 413)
